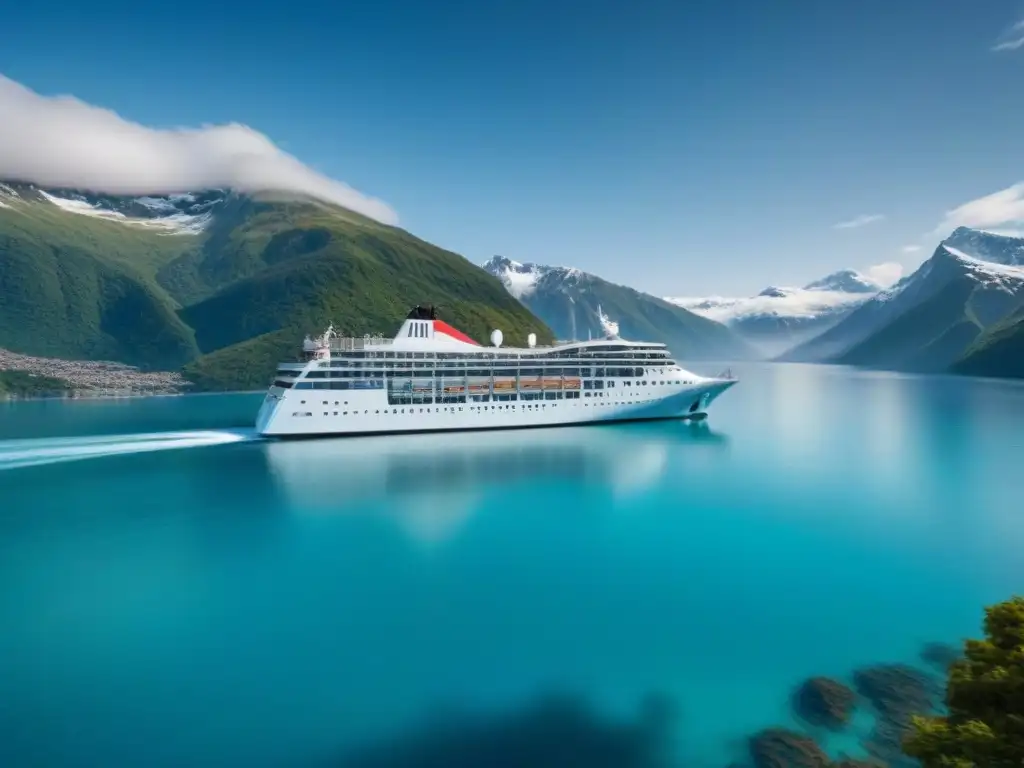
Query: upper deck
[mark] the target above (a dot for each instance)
(423, 334)
(339, 346)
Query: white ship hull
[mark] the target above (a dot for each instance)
(312, 413)
(431, 377)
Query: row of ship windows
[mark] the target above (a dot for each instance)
(460, 409)
(379, 384)
(421, 399)
(482, 365)
(428, 370)
(627, 353)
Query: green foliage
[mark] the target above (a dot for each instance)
(985, 699)
(24, 384)
(244, 366)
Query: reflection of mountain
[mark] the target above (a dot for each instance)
(432, 482)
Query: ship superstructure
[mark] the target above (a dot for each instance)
(433, 377)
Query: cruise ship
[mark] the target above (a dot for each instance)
(431, 377)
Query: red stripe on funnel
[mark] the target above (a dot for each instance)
(440, 326)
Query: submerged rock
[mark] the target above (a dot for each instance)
(781, 748)
(824, 702)
(552, 732)
(897, 692)
(940, 655)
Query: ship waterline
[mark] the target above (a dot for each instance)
(431, 377)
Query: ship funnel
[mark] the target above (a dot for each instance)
(531, 340)
(496, 337)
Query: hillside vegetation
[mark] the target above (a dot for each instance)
(72, 286)
(24, 384)
(999, 352)
(229, 301)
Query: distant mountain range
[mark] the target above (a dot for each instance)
(960, 310)
(579, 305)
(223, 284)
(778, 319)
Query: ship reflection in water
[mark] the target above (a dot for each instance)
(432, 481)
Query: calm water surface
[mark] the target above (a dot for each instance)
(174, 592)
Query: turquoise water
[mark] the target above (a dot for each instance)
(175, 592)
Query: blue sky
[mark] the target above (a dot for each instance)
(684, 148)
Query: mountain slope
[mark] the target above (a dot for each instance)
(778, 319)
(578, 305)
(926, 321)
(998, 352)
(82, 287)
(128, 279)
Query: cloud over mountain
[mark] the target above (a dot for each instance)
(1002, 209)
(885, 274)
(60, 141)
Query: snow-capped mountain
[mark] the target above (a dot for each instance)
(523, 279)
(845, 281)
(181, 214)
(779, 318)
(928, 319)
(578, 305)
(988, 246)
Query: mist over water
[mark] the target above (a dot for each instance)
(176, 592)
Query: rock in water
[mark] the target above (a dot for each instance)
(781, 748)
(896, 692)
(825, 702)
(940, 655)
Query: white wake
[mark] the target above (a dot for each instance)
(16, 454)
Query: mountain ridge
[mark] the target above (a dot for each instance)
(92, 276)
(928, 320)
(780, 318)
(578, 304)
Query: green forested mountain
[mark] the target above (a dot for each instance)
(80, 287)
(223, 284)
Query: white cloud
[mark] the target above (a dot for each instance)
(1002, 209)
(910, 248)
(860, 221)
(1011, 39)
(885, 274)
(59, 141)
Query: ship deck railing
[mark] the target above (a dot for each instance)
(349, 343)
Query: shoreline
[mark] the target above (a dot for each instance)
(92, 394)
(30, 377)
